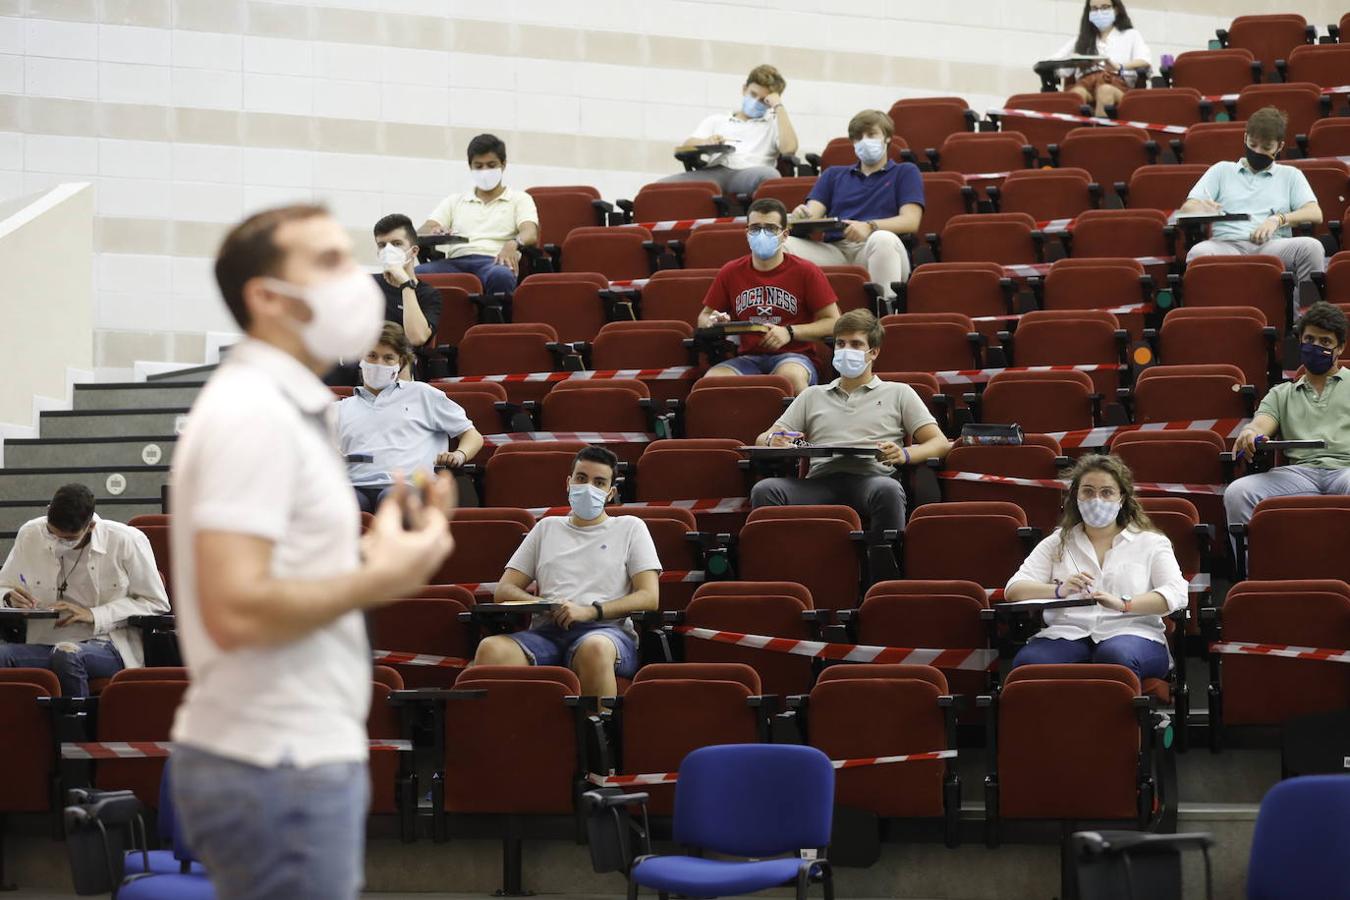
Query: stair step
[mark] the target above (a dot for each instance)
(43, 453)
(111, 422)
(195, 373)
(14, 513)
(136, 395)
(106, 482)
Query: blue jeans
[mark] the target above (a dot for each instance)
(274, 834)
(768, 363)
(73, 668)
(496, 279)
(550, 645)
(1147, 659)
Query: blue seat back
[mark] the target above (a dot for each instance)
(1301, 847)
(754, 799)
(168, 827)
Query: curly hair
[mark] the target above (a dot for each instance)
(1131, 513)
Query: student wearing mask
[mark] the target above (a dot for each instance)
(758, 131)
(855, 408)
(1105, 30)
(96, 574)
(1274, 198)
(597, 569)
(408, 303)
(496, 220)
(877, 201)
(789, 295)
(405, 426)
(1107, 550)
(1312, 407)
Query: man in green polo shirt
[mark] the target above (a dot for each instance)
(856, 408)
(1315, 407)
(1274, 197)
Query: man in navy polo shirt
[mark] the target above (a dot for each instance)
(877, 201)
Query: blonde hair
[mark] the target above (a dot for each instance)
(391, 335)
(767, 77)
(1131, 513)
(860, 321)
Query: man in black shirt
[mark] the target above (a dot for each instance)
(407, 302)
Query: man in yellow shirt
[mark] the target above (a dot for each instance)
(495, 220)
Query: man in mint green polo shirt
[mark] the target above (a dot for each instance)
(1274, 197)
(1315, 407)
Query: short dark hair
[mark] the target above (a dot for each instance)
(392, 335)
(71, 508)
(487, 143)
(393, 222)
(1327, 317)
(250, 249)
(769, 205)
(1267, 124)
(598, 455)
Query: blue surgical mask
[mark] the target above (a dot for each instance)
(587, 501)
(850, 363)
(762, 244)
(1102, 19)
(753, 108)
(1316, 359)
(870, 150)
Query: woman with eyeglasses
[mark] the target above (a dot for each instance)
(1105, 30)
(1105, 550)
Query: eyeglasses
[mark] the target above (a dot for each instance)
(1110, 495)
(1108, 6)
(774, 230)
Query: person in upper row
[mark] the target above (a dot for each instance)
(413, 305)
(789, 295)
(496, 220)
(1313, 407)
(404, 425)
(757, 132)
(1105, 30)
(1274, 197)
(877, 201)
(856, 408)
(1108, 550)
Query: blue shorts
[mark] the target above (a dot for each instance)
(554, 646)
(767, 363)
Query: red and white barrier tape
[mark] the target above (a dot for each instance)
(1284, 651)
(976, 660)
(712, 505)
(399, 658)
(590, 437)
(1085, 120)
(670, 373)
(1061, 483)
(629, 282)
(1036, 270)
(1064, 226)
(162, 749)
(672, 777)
(687, 224)
(980, 376)
(1126, 310)
(1232, 98)
(984, 176)
(1098, 437)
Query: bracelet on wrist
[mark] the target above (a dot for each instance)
(905, 450)
(1058, 584)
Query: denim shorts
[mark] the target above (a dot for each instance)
(554, 646)
(766, 363)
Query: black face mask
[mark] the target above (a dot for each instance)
(1259, 161)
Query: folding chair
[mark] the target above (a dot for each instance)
(791, 192)
(563, 208)
(1303, 102)
(711, 246)
(854, 289)
(429, 625)
(1269, 38)
(1214, 72)
(519, 348)
(975, 289)
(485, 539)
(617, 252)
(1327, 65)
(677, 294)
(1091, 283)
(1261, 281)
(1110, 154)
(923, 123)
(734, 407)
(1295, 537)
(1038, 456)
(1160, 187)
(929, 342)
(1236, 335)
(569, 302)
(1210, 142)
(1040, 402)
(459, 312)
(1046, 194)
(613, 404)
(1040, 133)
(980, 152)
(1070, 337)
(819, 547)
(1186, 392)
(778, 609)
(1003, 238)
(1184, 456)
(529, 475)
(30, 781)
(1294, 853)
(692, 469)
(1166, 106)
(945, 195)
(983, 542)
(1328, 137)
(135, 711)
(661, 202)
(1328, 179)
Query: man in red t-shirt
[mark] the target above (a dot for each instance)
(786, 293)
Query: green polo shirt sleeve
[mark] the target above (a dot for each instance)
(1304, 415)
(1274, 404)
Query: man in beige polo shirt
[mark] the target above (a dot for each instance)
(856, 408)
(495, 220)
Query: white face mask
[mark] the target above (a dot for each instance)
(391, 255)
(850, 363)
(346, 314)
(1097, 512)
(376, 376)
(587, 501)
(62, 545)
(486, 179)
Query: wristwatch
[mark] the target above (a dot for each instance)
(599, 610)
(1125, 601)
(873, 226)
(410, 283)
(792, 335)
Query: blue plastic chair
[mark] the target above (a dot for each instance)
(164, 862)
(1301, 848)
(746, 800)
(173, 874)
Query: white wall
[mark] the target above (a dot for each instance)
(186, 114)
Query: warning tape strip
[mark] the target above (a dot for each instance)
(976, 660)
(672, 777)
(629, 282)
(1284, 651)
(1065, 226)
(670, 373)
(687, 224)
(713, 505)
(1060, 483)
(1127, 309)
(398, 658)
(1228, 98)
(1035, 270)
(590, 437)
(985, 176)
(1085, 120)
(980, 376)
(1098, 437)
(162, 749)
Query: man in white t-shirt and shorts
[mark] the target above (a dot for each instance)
(597, 569)
(757, 132)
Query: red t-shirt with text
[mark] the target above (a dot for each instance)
(790, 294)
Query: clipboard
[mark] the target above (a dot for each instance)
(1207, 218)
(1010, 606)
(437, 240)
(810, 226)
(713, 148)
(730, 329)
(808, 451)
(12, 614)
(539, 606)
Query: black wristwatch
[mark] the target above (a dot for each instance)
(410, 283)
(599, 610)
(792, 335)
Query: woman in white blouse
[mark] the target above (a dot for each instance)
(1105, 30)
(1106, 549)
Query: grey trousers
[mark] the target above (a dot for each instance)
(732, 181)
(1302, 255)
(1242, 495)
(879, 499)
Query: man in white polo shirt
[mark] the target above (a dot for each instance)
(272, 575)
(856, 408)
(496, 220)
